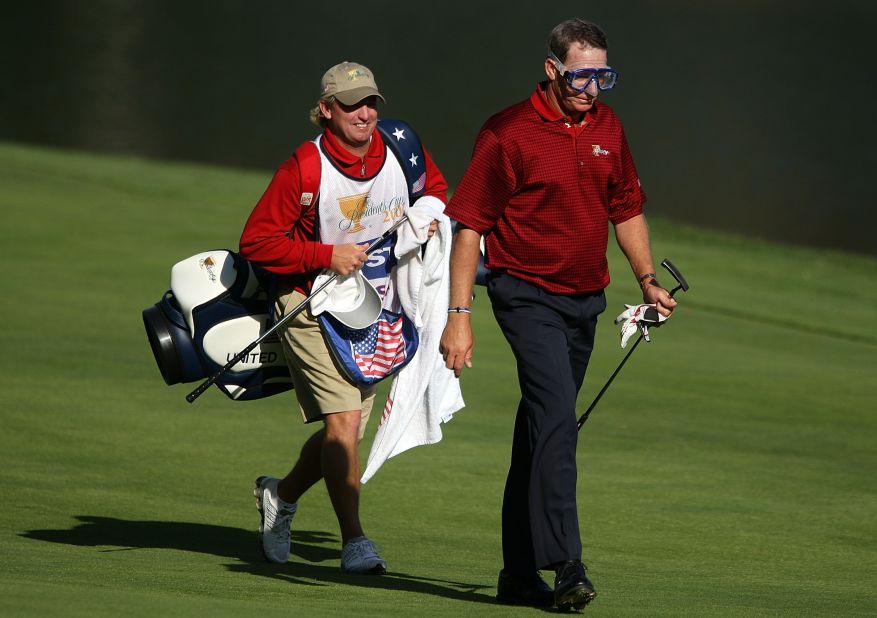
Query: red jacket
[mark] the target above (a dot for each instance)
(543, 192)
(280, 234)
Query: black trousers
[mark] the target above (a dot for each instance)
(552, 336)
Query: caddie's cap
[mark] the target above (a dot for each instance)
(350, 83)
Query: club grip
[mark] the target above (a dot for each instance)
(676, 274)
(191, 397)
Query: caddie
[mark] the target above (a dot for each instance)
(322, 209)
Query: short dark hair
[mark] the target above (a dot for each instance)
(576, 30)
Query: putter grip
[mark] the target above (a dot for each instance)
(676, 274)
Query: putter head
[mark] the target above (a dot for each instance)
(683, 284)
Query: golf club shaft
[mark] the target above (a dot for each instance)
(587, 413)
(683, 285)
(191, 397)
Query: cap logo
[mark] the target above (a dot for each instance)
(354, 74)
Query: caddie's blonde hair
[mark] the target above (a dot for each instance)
(316, 116)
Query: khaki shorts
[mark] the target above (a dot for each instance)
(320, 386)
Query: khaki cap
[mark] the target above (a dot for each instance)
(350, 83)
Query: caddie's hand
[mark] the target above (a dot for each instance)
(457, 343)
(433, 227)
(658, 296)
(638, 318)
(348, 258)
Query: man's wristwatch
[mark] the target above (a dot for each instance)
(648, 279)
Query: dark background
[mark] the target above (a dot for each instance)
(753, 117)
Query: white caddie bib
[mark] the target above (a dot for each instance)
(358, 211)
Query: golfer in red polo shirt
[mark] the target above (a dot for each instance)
(547, 177)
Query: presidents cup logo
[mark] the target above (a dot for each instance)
(209, 265)
(353, 208)
(359, 206)
(595, 148)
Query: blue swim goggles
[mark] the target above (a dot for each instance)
(580, 79)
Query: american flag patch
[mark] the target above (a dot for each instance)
(379, 349)
(419, 183)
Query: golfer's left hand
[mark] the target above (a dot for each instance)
(658, 296)
(637, 318)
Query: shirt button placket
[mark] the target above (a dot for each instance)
(575, 146)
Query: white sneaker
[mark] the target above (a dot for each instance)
(276, 518)
(361, 556)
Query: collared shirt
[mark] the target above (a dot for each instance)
(349, 163)
(281, 232)
(543, 190)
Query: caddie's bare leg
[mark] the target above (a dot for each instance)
(340, 458)
(308, 470)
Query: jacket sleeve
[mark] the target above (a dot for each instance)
(436, 185)
(276, 236)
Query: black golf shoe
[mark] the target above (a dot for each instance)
(572, 588)
(523, 590)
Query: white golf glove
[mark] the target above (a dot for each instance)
(638, 318)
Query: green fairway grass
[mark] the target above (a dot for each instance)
(729, 470)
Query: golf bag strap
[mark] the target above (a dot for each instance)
(405, 145)
(309, 169)
(399, 138)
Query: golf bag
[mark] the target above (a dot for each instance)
(218, 303)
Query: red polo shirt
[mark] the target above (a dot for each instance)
(281, 234)
(543, 191)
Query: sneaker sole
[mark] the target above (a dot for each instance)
(378, 569)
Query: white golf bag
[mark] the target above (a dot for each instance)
(217, 305)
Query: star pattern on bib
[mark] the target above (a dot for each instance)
(399, 134)
(413, 160)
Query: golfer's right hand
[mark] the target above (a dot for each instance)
(457, 343)
(348, 258)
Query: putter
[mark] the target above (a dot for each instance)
(191, 397)
(683, 285)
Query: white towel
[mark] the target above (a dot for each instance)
(424, 393)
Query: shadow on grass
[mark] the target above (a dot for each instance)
(113, 534)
